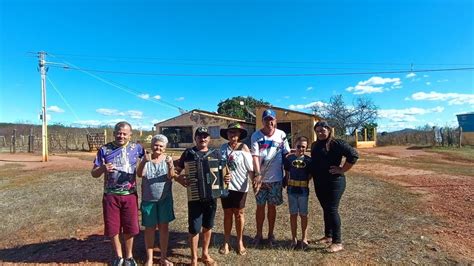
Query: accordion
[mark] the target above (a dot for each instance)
(205, 178)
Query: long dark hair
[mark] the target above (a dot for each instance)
(330, 138)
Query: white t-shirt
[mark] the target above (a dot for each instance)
(242, 160)
(270, 149)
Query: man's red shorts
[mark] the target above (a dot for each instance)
(120, 214)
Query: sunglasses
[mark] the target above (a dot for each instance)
(300, 147)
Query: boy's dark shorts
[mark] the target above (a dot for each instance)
(201, 214)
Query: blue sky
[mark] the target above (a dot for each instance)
(134, 42)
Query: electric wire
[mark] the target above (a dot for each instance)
(123, 87)
(266, 75)
(157, 59)
(65, 101)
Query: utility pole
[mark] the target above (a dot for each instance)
(43, 70)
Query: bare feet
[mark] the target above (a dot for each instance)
(208, 261)
(224, 249)
(324, 240)
(304, 244)
(335, 248)
(165, 262)
(241, 249)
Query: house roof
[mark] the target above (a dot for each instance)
(289, 110)
(198, 111)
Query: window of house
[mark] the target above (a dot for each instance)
(178, 134)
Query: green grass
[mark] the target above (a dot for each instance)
(456, 154)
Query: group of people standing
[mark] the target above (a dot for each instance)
(268, 166)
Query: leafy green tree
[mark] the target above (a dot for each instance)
(242, 107)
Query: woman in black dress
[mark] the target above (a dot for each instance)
(329, 179)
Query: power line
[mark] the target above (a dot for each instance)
(266, 75)
(66, 102)
(119, 86)
(158, 59)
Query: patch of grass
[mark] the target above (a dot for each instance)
(49, 204)
(381, 223)
(465, 154)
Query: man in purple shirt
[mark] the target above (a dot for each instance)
(118, 161)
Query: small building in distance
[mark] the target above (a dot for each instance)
(180, 129)
(293, 123)
(466, 122)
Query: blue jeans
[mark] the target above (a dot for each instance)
(329, 191)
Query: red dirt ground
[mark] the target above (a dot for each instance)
(449, 197)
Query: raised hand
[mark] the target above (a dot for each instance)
(147, 155)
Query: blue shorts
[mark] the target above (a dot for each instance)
(157, 212)
(270, 193)
(201, 213)
(298, 204)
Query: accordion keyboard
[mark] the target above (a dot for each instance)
(191, 171)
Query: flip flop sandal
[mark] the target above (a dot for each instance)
(223, 250)
(242, 252)
(209, 262)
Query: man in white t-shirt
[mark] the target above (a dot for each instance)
(268, 148)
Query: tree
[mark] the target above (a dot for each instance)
(347, 118)
(240, 107)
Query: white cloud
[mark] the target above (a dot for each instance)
(157, 97)
(442, 80)
(305, 106)
(286, 97)
(407, 114)
(375, 85)
(55, 109)
(309, 88)
(113, 112)
(410, 75)
(452, 98)
(135, 114)
(179, 99)
(96, 123)
(425, 76)
(428, 83)
(144, 96)
(105, 111)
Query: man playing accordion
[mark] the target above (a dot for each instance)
(201, 200)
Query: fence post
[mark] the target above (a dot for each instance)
(67, 137)
(356, 138)
(31, 141)
(375, 135)
(13, 144)
(460, 137)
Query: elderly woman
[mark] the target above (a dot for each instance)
(329, 179)
(239, 163)
(157, 200)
